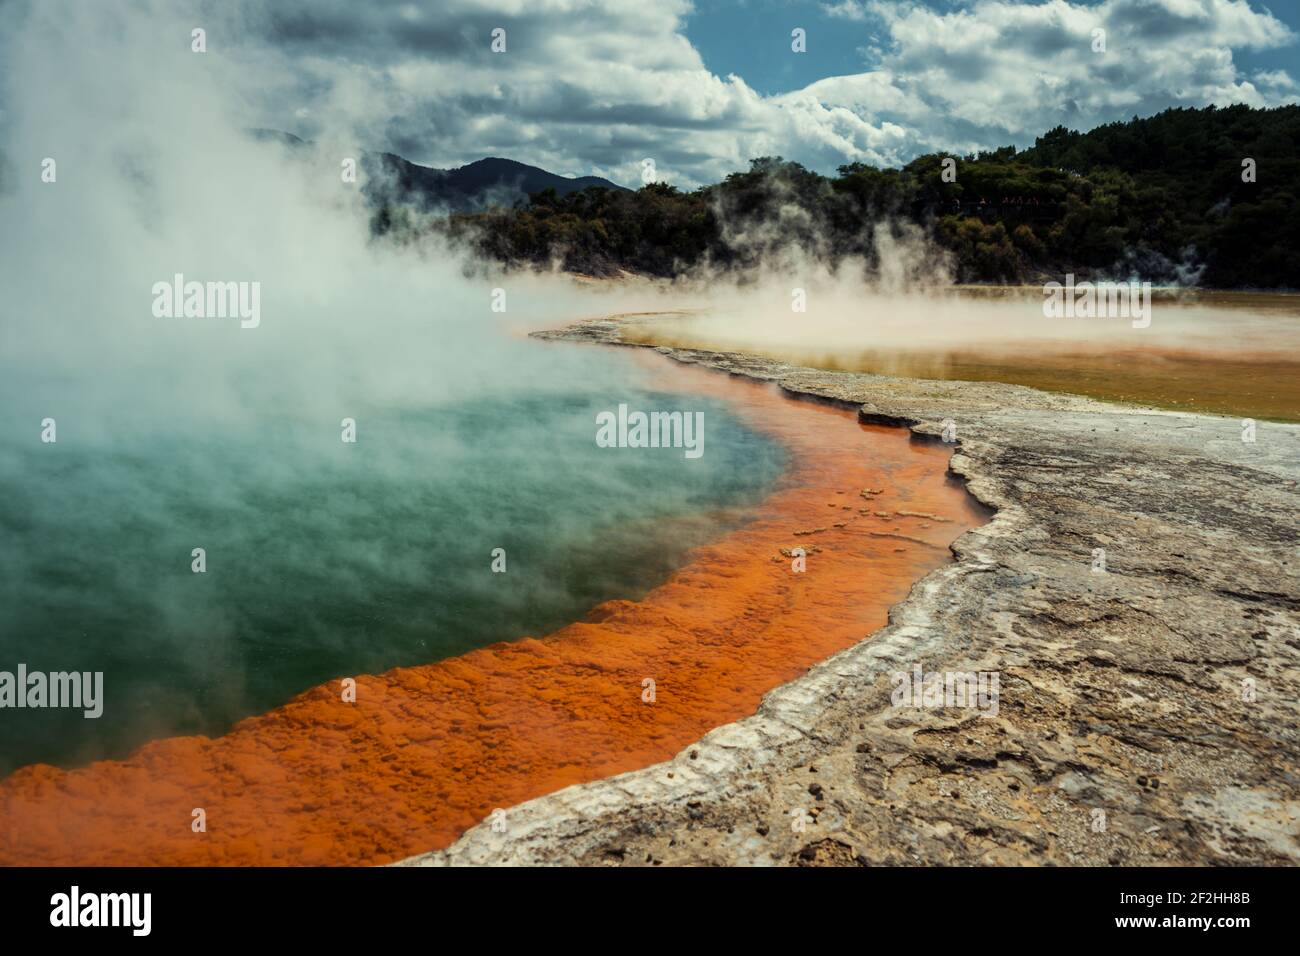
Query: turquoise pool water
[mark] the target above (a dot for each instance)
(326, 559)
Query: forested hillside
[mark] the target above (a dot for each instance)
(1161, 198)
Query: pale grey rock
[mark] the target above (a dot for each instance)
(1123, 735)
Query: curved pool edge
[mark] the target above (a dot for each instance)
(871, 785)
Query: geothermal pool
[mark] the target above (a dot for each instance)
(677, 594)
(326, 559)
(1207, 352)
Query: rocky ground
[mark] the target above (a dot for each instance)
(1147, 713)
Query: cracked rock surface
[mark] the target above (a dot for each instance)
(1147, 713)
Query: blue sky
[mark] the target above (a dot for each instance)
(700, 88)
(738, 36)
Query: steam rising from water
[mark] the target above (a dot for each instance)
(324, 559)
(156, 175)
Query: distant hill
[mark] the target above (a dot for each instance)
(1199, 197)
(483, 183)
(472, 188)
(277, 136)
(1207, 197)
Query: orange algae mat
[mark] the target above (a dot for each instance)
(426, 752)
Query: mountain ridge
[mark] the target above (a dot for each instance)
(473, 187)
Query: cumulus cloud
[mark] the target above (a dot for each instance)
(588, 87)
(1280, 79)
(996, 72)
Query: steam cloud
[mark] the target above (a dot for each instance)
(179, 432)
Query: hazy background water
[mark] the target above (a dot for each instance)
(326, 559)
(1232, 354)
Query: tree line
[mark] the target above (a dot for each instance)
(1192, 196)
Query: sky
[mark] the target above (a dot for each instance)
(586, 88)
(845, 38)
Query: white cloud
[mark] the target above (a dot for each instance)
(596, 87)
(999, 71)
(1278, 79)
(846, 9)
